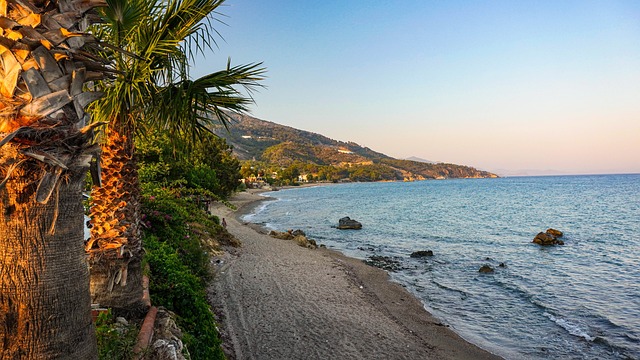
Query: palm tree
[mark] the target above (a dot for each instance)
(45, 152)
(157, 39)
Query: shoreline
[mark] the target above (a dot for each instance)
(254, 286)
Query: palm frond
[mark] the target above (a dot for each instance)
(154, 87)
(189, 107)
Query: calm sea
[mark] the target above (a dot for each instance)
(577, 301)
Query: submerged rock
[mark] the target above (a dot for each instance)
(421, 253)
(485, 269)
(348, 223)
(383, 262)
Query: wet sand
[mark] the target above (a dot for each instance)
(277, 300)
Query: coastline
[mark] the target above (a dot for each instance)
(277, 300)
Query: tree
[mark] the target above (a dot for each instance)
(152, 91)
(211, 165)
(45, 309)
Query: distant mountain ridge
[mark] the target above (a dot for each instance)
(415, 158)
(255, 139)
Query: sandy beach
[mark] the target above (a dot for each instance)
(277, 300)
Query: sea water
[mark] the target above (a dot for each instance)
(577, 301)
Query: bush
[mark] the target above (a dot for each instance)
(115, 341)
(179, 266)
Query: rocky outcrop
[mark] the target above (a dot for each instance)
(285, 235)
(550, 237)
(554, 232)
(298, 236)
(167, 338)
(298, 233)
(305, 242)
(421, 253)
(347, 223)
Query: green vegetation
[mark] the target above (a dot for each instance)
(178, 238)
(179, 235)
(208, 168)
(115, 340)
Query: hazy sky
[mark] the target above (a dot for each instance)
(503, 86)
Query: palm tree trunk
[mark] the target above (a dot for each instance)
(45, 309)
(115, 245)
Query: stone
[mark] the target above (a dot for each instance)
(298, 233)
(304, 242)
(421, 253)
(485, 269)
(347, 223)
(546, 239)
(383, 262)
(281, 235)
(122, 321)
(167, 338)
(554, 232)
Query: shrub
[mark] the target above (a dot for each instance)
(115, 341)
(179, 266)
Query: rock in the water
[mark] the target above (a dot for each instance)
(348, 223)
(546, 239)
(383, 262)
(421, 253)
(554, 232)
(486, 269)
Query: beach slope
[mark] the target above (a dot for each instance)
(277, 300)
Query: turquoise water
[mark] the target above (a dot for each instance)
(577, 301)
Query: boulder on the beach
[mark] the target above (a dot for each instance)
(298, 232)
(546, 239)
(554, 232)
(421, 253)
(485, 269)
(348, 223)
(305, 242)
(286, 235)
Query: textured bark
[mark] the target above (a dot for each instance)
(45, 309)
(115, 245)
(45, 151)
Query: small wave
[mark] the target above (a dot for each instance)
(571, 328)
(250, 216)
(449, 288)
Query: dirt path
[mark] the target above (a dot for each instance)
(277, 300)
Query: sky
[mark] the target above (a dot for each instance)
(513, 87)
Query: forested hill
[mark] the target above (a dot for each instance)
(284, 146)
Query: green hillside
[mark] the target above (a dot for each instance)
(270, 148)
